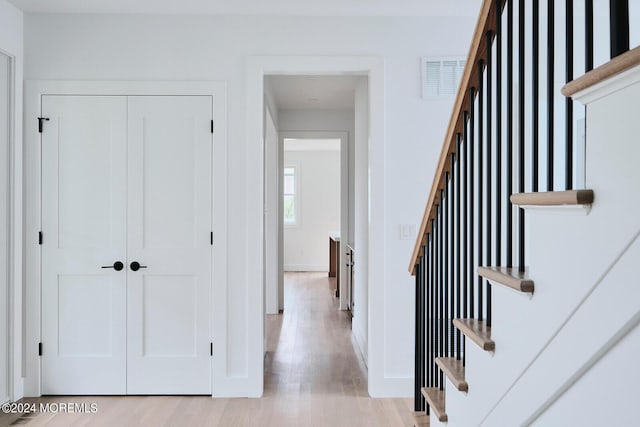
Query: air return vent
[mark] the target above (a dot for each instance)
(441, 76)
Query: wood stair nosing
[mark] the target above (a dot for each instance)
(553, 198)
(454, 370)
(477, 331)
(435, 399)
(507, 276)
(420, 419)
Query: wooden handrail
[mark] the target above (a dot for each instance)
(486, 22)
(616, 66)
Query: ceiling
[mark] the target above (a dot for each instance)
(313, 92)
(258, 7)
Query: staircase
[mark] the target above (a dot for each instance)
(524, 263)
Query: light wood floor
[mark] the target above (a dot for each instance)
(313, 377)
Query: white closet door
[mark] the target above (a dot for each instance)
(169, 220)
(4, 227)
(84, 195)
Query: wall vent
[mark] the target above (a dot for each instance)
(441, 76)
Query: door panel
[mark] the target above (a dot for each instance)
(169, 332)
(92, 336)
(168, 197)
(169, 220)
(83, 221)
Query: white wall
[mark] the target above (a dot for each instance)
(306, 244)
(139, 47)
(11, 44)
(272, 206)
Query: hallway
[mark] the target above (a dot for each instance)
(313, 377)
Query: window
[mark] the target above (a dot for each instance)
(290, 196)
(441, 76)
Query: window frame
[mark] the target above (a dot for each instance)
(296, 195)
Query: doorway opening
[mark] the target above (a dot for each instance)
(316, 204)
(311, 205)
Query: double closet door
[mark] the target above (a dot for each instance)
(126, 249)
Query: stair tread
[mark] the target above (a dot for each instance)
(508, 276)
(454, 370)
(435, 399)
(617, 65)
(420, 419)
(477, 331)
(553, 198)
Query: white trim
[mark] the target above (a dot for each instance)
(11, 174)
(11, 44)
(15, 233)
(608, 86)
(558, 210)
(33, 95)
(257, 68)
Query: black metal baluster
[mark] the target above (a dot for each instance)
(427, 315)
(498, 134)
(619, 20)
(437, 297)
(489, 171)
(471, 202)
(535, 91)
(550, 91)
(425, 320)
(509, 171)
(568, 99)
(417, 399)
(434, 299)
(588, 35)
(422, 329)
(465, 217)
(445, 255)
(441, 232)
(480, 181)
(452, 294)
(425, 260)
(521, 127)
(458, 241)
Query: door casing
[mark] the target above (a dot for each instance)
(7, 181)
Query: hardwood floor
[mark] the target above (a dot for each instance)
(313, 377)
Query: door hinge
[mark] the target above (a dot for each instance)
(211, 238)
(211, 126)
(211, 349)
(39, 349)
(39, 237)
(40, 123)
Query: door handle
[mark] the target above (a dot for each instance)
(117, 266)
(135, 266)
